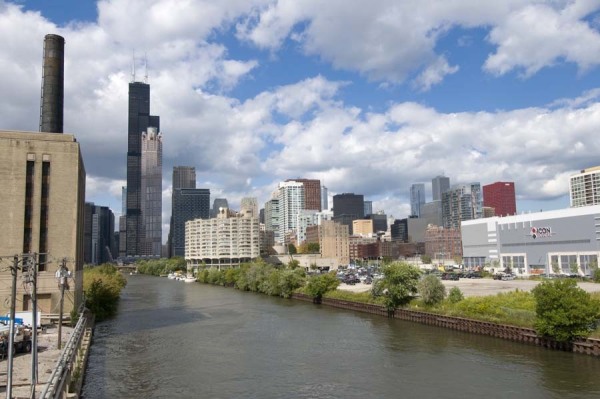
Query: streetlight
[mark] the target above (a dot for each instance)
(62, 274)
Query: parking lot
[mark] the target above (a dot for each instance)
(481, 286)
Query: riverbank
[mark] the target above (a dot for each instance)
(48, 355)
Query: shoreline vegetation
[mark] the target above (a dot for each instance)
(556, 309)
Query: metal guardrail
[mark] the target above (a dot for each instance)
(55, 385)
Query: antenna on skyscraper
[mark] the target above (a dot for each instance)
(133, 66)
(145, 68)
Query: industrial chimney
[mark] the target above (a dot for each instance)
(51, 108)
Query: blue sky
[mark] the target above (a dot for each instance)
(370, 97)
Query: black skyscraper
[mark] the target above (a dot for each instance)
(139, 121)
(348, 207)
(188, 204)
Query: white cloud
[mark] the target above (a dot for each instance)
(434, 74)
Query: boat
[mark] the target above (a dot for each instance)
(189, 279)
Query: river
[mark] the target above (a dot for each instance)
(176, 340)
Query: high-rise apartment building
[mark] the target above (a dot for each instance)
(584, 187)
(98, 234)
(272, 217)
(439, 185)
(312, 193)
(227, 240)
(348, 207)
(501, 197)
(291, 202)
(151, 189)
(188, 204)
(417, 198)
(461, 202)
(139, 120)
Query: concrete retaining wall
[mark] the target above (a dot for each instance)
(512, 333)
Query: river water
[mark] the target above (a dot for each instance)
(176, 340)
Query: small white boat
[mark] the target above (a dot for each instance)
(190, 279)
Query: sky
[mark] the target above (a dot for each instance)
(367, 96)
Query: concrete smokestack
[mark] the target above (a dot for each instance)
(51, 112)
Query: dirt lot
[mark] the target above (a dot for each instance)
(48, 355)
(481, 286)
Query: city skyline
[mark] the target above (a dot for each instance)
(254, 93)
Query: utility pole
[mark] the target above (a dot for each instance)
(32, 271)
(11, 330)
(63, 274)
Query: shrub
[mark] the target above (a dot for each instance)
(431, 289)
(398, 285)
(564, 311)
(319, 284)
(455, 295)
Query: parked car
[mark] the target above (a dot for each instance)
(450, 276)
(507, 277)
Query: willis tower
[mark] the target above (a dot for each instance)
(139, 122)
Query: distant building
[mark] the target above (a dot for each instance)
(43, 194)
(409, 230)
(432, 213)
(334, 241)
(226, 241)
(488, 212)
(500, 196)
(312, 193)
(362, 227)
(99, 238)
(584, 187)
(324, 199)
(460, 203)
(184, 177)
(443, 243)
(439, 185)
(249, 205)
(379, 222)
(291, 201)
(217, 204)
(306, 218)
(368, 208)
(188, 204)
(272, 217)
(348, 207)
(417, 198)
(150, 239)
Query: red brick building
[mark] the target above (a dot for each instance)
(501, 197)
(312, 193)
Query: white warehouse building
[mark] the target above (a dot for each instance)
(226, 241)
(565, 241)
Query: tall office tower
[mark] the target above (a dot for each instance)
(249, 205)
(291, 202)
(439, 185)
(460, 203)
(368, 208)
(98, 234)
(312, 193)
(379, 219)
(417, 198)
(272, 216)
(261, 216)
(139, 120)
(122, 244)
(584, 187)
(188, 204)
(184, 177)
(218, 203)
(151, 189)
(324, 199)
(501, 197)
(348, 207)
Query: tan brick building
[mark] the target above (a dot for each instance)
(333, 241)
(41, 211)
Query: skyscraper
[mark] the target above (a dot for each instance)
(184, 177)
(218, 203)
(249, 205)
(188, 204)
(98, 234)
(461, 202)
(139, 120)
(312, 193)
(348, 207)
(417, 198)
(151, 189)
(501, 197)
(291, 202)
(439, 185)
(368, 208)
(324, 199)
(584, 187)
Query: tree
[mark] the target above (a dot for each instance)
(398, 285)
(431, 289)
(292, 249)
(595, 274)
(426, 259)
(564, 311)
(574, 268)
(555, 267)
(313, 248)
(319, 284)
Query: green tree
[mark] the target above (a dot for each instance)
(431, 289)
(398, 285)
(455, 295)
(102, 286)
(595, 274)
(319, 284)
(555, 267)
(292, 249)
(426, 259)
(564, 311)
(574, 268)
(313, 248)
